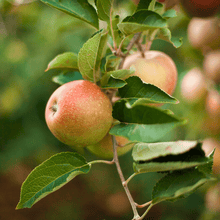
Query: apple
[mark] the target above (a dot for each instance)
(212, 199)
(156, 68)
(200, 8)
(104, 148)
(213, 104)
(79, 114)
(204, 33)
(193, 86)
(211, 65)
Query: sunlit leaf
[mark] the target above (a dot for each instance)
(66, 60)
(50, 176)
(90, 55)
(165, 34)
(104, 9)
(166, 156)
(142, 20)
(80, 9)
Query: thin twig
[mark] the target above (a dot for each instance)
(143, 205)
(128, 180)
(102, 161)
(129, 47)
(145, 213)
(111, 48)
(136, 215)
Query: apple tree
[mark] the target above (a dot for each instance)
(119, 106)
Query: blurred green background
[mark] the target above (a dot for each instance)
(31, 35)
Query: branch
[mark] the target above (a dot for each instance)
(134, 208)
(133, 41)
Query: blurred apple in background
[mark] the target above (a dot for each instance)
(193, 86)
(200, 8)
(213, 104)
(211, 65)
(204, 33)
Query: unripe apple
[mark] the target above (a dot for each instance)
(104, 148)
(156, 68)
(193, 86)
(211, 65)
(79, 114)
(204, 33)
(213, 104)
(200, 8)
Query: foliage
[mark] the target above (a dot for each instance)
(96, 59)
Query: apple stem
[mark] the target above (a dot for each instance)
(130, 198)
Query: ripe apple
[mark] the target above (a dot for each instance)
(104, 148)
(201, 8)
(211, 65)
(212, 199)
(156, 68)
(79, 114)
(204, 33)
(193, 86)
(213, 104)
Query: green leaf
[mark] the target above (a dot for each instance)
(143, 4)
(178, 184)
(50, 176)
(148, 4)
(111, 62)
(104, 9)
(207, 168)
(66, 77)
(165, 34)
(116, 76)
(142, 123)
(90, 55)
(116, 31)
(167, 156)
(114, 83)
(80, 9)
(142, 20)
(171, 13)
(66, 60)
(137, 92)
(121, 74)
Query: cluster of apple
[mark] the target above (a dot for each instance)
(79, 114)
(199, 85)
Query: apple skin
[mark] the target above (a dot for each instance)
(79, 114)
(104, 148)
(156, 68)
(193, 86)
(200, 8)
